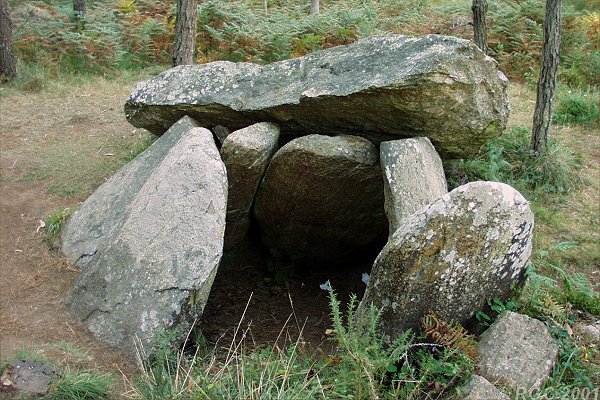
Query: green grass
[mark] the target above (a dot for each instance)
(508, 159)
(365, 365)
(54, 225)
(578, 106)
(80, 385)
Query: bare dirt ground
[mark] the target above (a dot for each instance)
(58, 145)
(41, 134)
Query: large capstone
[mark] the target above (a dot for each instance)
(321, 198)
(382, 88)
(468, 246)
(151, 238)
(246, 154)
(413, 177)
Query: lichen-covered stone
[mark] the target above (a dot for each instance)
(382, 88)
(466, 247)
(517, 351)
(107, 209)
(151, 263)
(322, 198)
(413, 177)
(480, 388)
(246, 154)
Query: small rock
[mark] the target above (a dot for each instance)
(29, 376)
(593, 331)
(480, 388)
(517, 351)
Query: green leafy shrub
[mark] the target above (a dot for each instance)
(111, 40)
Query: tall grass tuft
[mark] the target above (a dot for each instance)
(80, 386)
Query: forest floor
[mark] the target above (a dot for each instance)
(59, 144)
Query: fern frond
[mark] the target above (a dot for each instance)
(451, 335)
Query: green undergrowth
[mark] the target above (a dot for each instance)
(578, 106)
(508, 159)
(80, 385)
(54, 224)
(129, 34)
(364, 365)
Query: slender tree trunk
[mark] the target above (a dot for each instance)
(266, 6)
(479, 8)
(314, 7)
(542, 117)
(79, 10)
(8, 63)
(185, 32)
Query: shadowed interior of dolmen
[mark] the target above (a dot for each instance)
(261, 300)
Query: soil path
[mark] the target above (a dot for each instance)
(38, 131)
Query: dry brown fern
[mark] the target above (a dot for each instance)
(451, 335)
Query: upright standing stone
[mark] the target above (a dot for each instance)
(413, 177)
(153, 271)
(322, 198)
(105, 211)
(466, 247)
(246, 154)
(517, 351)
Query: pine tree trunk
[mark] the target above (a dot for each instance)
(314, 7)
(185, 32)
(479, 8)
(79, 10)
(8, 63)
(542, 117)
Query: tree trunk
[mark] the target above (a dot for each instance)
(479, 8)
(314, 7)
(542, 117)
(185, 32)
(8, 63)
(79, 10)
